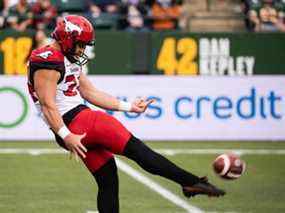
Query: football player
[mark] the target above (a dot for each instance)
(58, 86)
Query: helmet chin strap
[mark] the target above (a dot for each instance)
(71, 58)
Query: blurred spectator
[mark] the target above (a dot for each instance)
(266, 17)
(12, 3)
(4, 5)
(185, 15)
(44, 14)
(280, 6)
(41, 39)
(20, 16)
(3, 12)
(71, 6)
(165, 14)
(133, 15)
(103, 13)
(248, 5)
(108, 6)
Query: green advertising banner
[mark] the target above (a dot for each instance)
(169, 53)
(218, 53)
(112, 54)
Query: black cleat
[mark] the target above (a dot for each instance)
(203, 187)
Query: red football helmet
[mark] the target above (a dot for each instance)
(72, 30)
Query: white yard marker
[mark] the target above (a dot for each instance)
(157, 188)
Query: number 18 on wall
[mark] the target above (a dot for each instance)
(15, 52)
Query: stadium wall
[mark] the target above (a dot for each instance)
(169, 53)
(185, 108)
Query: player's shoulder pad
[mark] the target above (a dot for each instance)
(47, 54)
(46, 58)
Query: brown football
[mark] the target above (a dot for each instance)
(229, 166)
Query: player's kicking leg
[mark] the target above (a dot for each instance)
(157, 164)
(105, 131)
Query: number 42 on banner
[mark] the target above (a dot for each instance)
(186, 49)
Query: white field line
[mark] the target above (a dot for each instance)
(32, 151)
(156, 187)
(40, 151)
(221, 151)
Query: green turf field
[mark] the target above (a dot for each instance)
(52, 183)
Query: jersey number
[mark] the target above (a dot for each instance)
(71, 81)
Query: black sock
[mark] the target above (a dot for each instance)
(157, 164)
(108, 188)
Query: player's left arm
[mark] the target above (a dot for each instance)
(106, 101)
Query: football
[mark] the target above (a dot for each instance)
(229, 166)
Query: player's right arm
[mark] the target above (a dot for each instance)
(45, 84)
(99, 98)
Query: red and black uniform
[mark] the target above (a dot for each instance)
(104, 134)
